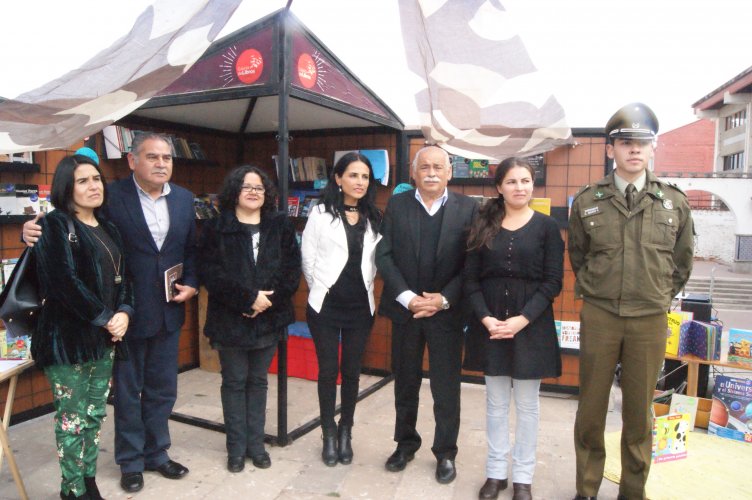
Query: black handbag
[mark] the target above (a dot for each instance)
(20, 300)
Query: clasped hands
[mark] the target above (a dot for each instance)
(261, 304)
(425, 305)
(117, 326)
(507, 329)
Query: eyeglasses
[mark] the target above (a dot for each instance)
(247, 188)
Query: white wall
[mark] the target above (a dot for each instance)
(715, 234)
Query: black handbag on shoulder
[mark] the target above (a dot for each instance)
(20, 300)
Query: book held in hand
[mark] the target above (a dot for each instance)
(171, 276)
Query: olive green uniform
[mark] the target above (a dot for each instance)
(629, 265)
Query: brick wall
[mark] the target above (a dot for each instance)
(567, 170)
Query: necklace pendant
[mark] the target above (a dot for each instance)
(118, 279)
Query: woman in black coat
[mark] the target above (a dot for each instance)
(513, 272)
(250, 265)
(88, 305)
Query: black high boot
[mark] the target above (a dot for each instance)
(344, 444)
(329, 451)
(91, 488)
(71, 496)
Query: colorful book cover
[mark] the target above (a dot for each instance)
(701, 340)
(542, 205)
(731, 413)
(568, 333)
(478, 168)
(678, 323)
(670, 437)
(740, 342)
(293, 204)
(681, 403)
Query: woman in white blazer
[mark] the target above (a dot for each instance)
(338, 248)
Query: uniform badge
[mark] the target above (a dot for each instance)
(599, 194)
(659, 193)
(668, 204)
(591, 211)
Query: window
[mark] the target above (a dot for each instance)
(734, 161)
(738, 119)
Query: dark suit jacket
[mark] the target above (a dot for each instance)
(146, 263)
(397, 252)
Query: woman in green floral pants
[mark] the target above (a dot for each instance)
(86, 313)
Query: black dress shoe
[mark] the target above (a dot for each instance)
(397, 461)
(522, 491)
(132, 481)
(171, 470)
(445, 471)
(491, 488)
(262, 460)
(235, 464)
(580, 497)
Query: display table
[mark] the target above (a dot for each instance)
(9, 370)
(693, 367)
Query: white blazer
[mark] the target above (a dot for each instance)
(325, 253)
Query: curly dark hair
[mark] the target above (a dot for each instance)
(491, 214)
(333, 199)
(231, 186)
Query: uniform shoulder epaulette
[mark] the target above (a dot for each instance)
(675, 187)
(582, 190)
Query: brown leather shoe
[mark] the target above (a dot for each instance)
(490, 490)
(522, 491)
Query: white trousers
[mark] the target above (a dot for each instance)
(498, 396)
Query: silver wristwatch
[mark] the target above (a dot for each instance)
(444, 303)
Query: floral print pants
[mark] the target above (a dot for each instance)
(80, 398)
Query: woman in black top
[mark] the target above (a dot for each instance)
(513, 272)
(89, 303)
(338, 263)
(250, 265)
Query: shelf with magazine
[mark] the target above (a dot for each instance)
(118, 140)
(480, 172)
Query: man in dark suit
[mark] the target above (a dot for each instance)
(156, 221)
(420, 259)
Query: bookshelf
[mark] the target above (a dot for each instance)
(118, 140)
(19, 167)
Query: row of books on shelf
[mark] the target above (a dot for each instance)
(306, 168)
(206, 206)
(24, 199)
(313, 168)
(300, 203)
(118, 141)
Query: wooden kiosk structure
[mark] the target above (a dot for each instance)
(268, 81)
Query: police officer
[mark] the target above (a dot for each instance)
(631, 246)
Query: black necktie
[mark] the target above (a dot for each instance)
(630, 195)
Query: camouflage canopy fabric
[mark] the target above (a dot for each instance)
(167, 38)
(484, 97)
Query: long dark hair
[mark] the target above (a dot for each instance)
(231, 186)
(333, 199)
(61, 193)
(490, 215)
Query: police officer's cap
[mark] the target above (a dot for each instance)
(633, 121)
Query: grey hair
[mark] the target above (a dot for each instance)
(140, 137)
(422, 150)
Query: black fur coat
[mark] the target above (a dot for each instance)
(233, 280)
(71, 324)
